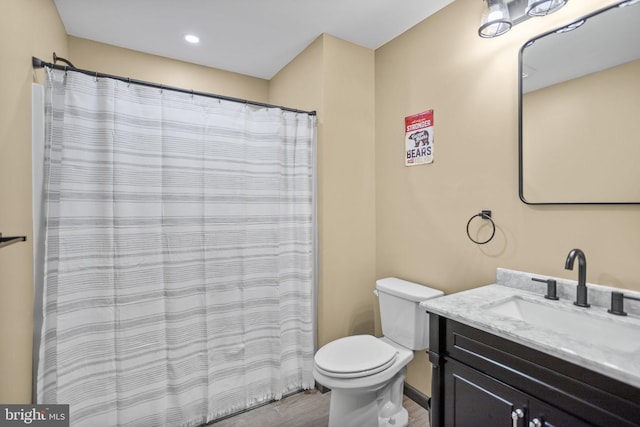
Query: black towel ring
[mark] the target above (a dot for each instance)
(483, 215)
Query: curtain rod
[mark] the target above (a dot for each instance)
(38, 63)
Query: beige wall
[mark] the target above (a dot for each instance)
(336, 78)
(109, 59)
(422, 211)
(29, 28)
(300, 83)
(347, 193)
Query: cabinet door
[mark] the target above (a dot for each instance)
(473, 399)
(543, 415)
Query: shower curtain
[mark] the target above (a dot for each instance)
(179, 256)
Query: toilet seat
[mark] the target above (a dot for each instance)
(354, 357)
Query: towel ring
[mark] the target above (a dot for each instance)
(483, 215)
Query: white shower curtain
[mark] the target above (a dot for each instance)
(179, 254)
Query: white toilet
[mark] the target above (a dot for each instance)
(366, 374)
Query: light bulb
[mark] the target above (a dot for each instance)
(192, 38)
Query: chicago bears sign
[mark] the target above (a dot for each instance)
(419, 138)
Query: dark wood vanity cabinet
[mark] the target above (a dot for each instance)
(477, 399)
(479, 379)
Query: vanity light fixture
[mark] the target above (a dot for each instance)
(495, 19)
(544, 7)
(501, 15)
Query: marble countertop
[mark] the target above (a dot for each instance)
(470, 308)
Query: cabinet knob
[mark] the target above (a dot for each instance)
(535, 423)
(516, 415)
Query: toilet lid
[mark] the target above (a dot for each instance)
(355, 356)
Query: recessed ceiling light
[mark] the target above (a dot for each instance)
(191, 38)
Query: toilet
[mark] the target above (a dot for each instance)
(366, 374)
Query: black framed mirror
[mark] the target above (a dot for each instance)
(579, 111)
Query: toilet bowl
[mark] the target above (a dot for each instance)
(366, 374)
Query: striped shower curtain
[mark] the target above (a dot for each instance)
(179, 254)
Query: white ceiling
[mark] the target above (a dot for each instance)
(252, 37)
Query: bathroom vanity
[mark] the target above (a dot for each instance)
(501, 356)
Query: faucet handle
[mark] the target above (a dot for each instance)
(617, 303)
(551, 288)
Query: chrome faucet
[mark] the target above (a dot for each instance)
(581, 296)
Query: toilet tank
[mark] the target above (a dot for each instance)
(402, 319)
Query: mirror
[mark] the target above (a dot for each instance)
(580, 111)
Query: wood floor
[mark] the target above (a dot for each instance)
(306, 409)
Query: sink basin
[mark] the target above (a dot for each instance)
(578, 323)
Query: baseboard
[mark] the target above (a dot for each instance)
(322, 389)
(417, 396)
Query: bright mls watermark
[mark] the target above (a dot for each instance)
(34, 415)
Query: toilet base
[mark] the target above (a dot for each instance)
(400, 419)
(377, 407)
(349, 409)
(361, 410)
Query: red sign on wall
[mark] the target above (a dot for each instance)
(419, 138)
